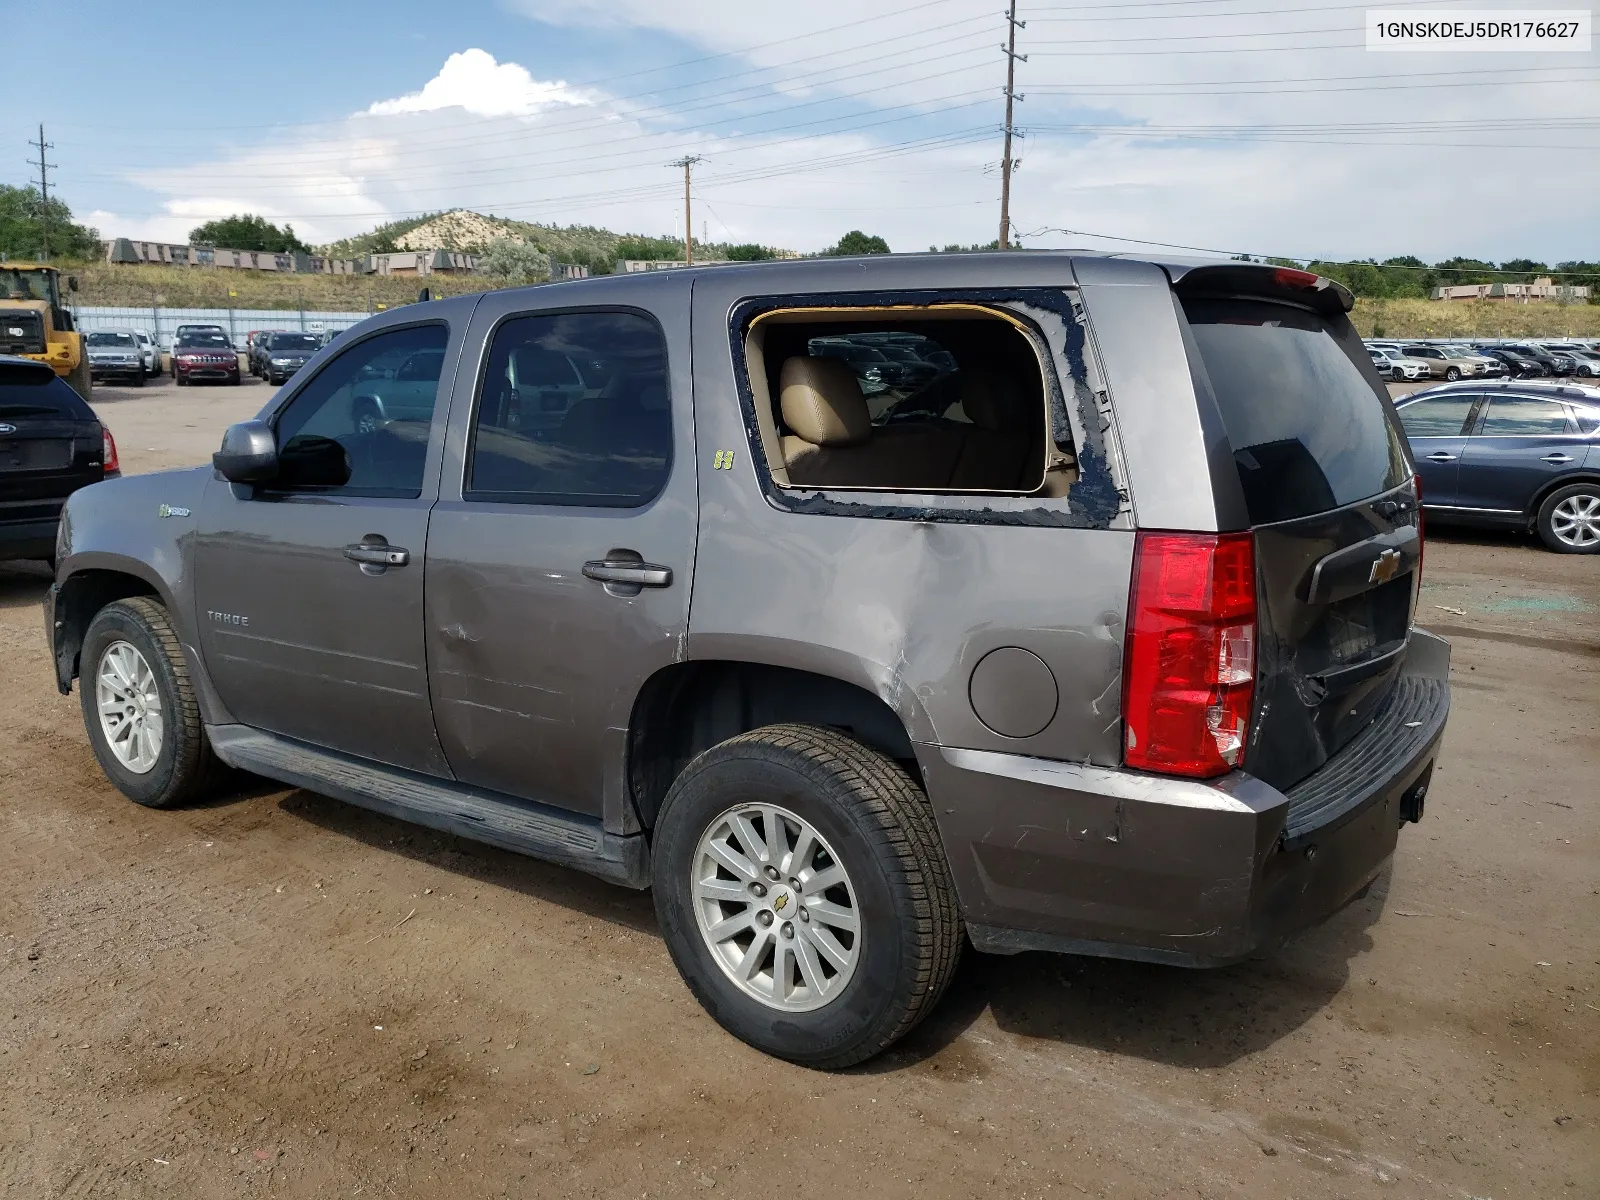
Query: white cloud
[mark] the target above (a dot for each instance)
(474, 81)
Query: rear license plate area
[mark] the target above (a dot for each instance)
(36, 454)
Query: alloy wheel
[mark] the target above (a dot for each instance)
(1576, 520)
(129, 701)
(776, 908)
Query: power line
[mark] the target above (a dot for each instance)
(44, 188)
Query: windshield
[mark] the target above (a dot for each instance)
(26, 285)
(294, 341)
(203, 341)
(111, 339)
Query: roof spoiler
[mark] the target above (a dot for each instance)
(1269, 282)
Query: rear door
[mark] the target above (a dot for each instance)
(1327, 486)
(1521, 444)
(1436, 428)
(561, 552)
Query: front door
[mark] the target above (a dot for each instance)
(561, 552)
(1521, 444)
(1436, 429)
(310, 590)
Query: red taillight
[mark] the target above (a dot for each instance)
(108, 447)
(1290, 278)
(1189, 676)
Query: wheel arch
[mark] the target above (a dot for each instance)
(81, 595)
(1581, 475)
(688, 707)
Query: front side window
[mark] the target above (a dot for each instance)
(573, 409)
(357, 428)
(1438, 416)
(1513, 416)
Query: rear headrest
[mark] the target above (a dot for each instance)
(993, 401)
(822, 402)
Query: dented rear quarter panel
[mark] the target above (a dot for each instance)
(862, 590)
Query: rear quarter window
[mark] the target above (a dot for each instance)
(1309, 430)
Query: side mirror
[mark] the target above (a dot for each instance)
(72, 283)
(249, 453)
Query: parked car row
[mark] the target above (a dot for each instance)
(1451, 361)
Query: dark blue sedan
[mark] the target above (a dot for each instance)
(1514, 455)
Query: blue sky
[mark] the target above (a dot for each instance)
(1226, 124)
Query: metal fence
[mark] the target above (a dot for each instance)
(162, 323)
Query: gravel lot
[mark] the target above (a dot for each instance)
(276, 994)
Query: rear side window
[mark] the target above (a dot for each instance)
(1309, 431)
(32, 393)
(574, 410)
(1511, 416)
(1438, 416)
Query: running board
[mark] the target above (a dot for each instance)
(521, 826)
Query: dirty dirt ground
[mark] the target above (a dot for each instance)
(274, 994)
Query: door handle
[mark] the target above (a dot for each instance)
(628, 572)
(1441, 456)
(377, 557)
(1558, 458)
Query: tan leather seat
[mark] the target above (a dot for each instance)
(833, 443)
(1004, 450)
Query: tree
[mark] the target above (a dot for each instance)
(246, 231)
(1466, 270)
(23, 224)
(515, 261)
(856, 242)
(650, 249)
(750, 252)
(1526, 268)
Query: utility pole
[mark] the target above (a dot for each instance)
(1010, 48)
(686, 162)
(44, 187)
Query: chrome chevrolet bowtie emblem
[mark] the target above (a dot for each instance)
(1384, 567)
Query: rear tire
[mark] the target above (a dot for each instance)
(81, 380)
(1569, 519)
(133, 667)
(870, 828)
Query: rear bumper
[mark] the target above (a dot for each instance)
(1089, 860)
(29, 539)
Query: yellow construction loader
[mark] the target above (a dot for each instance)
(34, 323)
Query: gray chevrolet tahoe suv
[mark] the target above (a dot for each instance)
(1094, 636)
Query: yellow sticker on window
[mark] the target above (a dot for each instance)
(722, 460)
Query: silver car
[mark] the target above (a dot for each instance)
(1098, 641)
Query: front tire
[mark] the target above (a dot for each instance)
(1569, 519)
(804, 894)
(1452, 374)
(139, 705)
